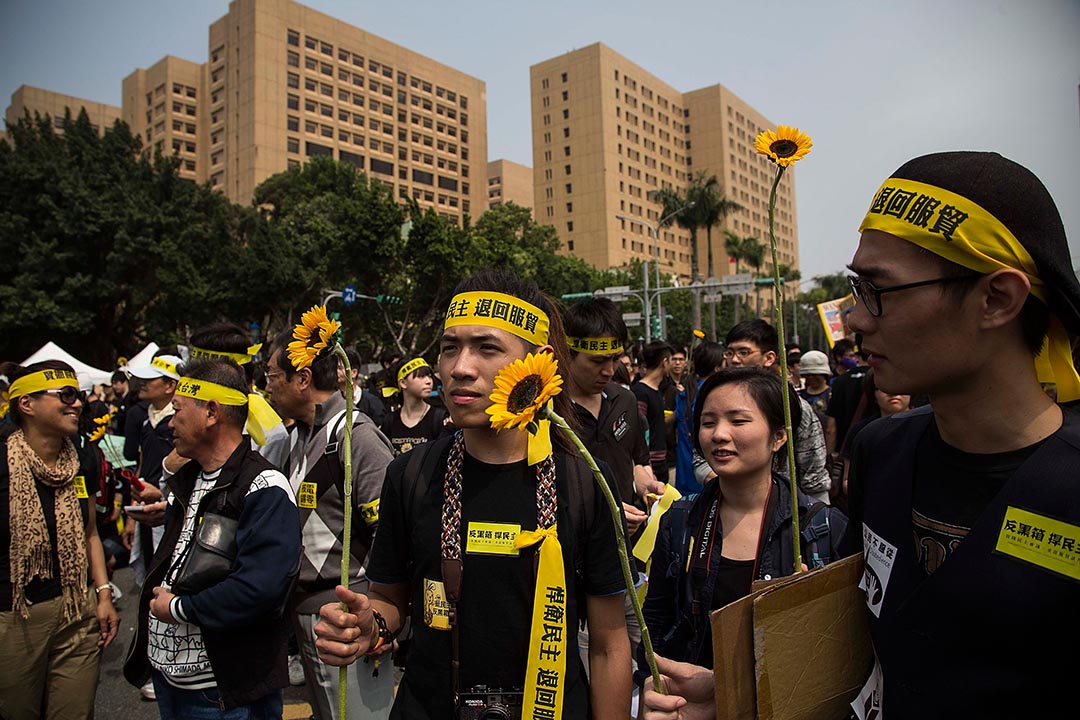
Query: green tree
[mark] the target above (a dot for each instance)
(107, 248)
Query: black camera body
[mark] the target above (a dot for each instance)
(481, 702)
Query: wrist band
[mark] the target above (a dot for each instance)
(384, 631)
(106, 586)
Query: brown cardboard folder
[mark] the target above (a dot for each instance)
(797, 648)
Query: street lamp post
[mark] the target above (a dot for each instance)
(654, 231)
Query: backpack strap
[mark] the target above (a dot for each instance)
(816, 535)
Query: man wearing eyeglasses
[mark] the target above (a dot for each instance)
(968, 507)
(754, 343)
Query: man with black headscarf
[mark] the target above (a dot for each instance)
(969, 509)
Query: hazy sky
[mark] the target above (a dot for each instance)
(874, 83)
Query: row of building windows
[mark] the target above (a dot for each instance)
(375, 67)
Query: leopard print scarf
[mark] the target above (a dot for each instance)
(31, 551)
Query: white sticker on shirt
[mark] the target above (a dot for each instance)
(878, 559)
(867, 705)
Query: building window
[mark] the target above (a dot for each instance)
(293, 124)
(567, 169)
(569, 207)
(315, 149)
(566, 114)
(565, 95)
(294, 102)
(570, 245)
(293, 146)
(382, 167)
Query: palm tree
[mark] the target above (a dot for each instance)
(710, 209)
(673, 202)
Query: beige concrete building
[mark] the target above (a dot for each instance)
(607, 133)
(286, 83)
(509, 182)
(45, 102)
(165, 106)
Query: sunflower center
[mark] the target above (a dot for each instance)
(784, 148)
(524, 393)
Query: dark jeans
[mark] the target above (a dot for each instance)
(176, 704)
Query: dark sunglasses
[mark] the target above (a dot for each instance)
(67, 394)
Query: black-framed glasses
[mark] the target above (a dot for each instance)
(870, 294)
(67, 394)
(742, 353)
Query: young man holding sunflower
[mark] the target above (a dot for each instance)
(462, 519)
(312, 398)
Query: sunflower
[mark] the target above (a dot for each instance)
(522, 388)
(102, 427)
(785, 146)
(314, 334)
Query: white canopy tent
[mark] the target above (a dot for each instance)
(88, 375)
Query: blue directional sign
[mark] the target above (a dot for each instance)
(348, 294)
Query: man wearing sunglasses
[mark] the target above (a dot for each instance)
(968, 507)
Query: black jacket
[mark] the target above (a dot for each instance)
(979, 637)
(247, 648)
(676, 611)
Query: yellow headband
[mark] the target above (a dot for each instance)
(595, 346)
(166, 366)
(261, 417)
(411, 367)
(961, 231)
(239, 358)
(501, 311)
(42, 380)
(406, 369)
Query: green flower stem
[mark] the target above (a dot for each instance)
(628, 578)
(347, 491)
(779, 301)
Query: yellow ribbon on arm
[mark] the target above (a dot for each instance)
(961, 231)
(545, 676)
(261, 417)
(643, 548)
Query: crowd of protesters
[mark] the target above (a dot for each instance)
(216, 471)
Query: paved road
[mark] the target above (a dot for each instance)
(118, 699)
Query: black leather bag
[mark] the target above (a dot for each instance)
(210, 556)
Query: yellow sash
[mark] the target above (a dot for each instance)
(545, 677)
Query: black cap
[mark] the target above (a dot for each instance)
(1012, 194)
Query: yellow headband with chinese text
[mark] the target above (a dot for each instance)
(261, 417)
(165, 365)
(961, 231)
(410, 367)
(406, 370)
(501, 311)
(198, 353)
(595, 346)
(42, 380)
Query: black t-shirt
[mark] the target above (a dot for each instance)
(616, 436)
(952, 488)
(38, 589)
(844, 400)
(734, 579)
(497, 590)
(651, 403)
(404, 438)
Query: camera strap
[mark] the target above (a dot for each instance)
(545, 677)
